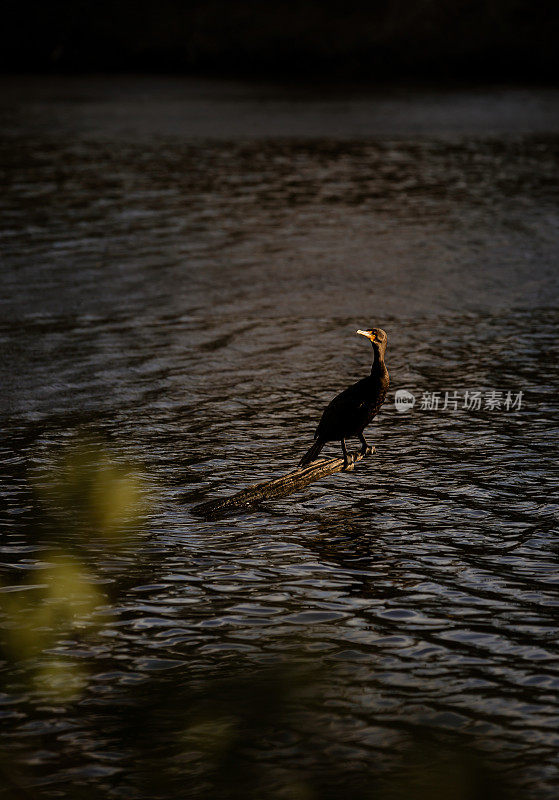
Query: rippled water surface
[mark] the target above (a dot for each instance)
(184, 268)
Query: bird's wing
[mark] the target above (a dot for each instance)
(343, 407)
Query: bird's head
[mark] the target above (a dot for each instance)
(378, 337)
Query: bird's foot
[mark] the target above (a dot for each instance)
(366, 451)
(349, 464)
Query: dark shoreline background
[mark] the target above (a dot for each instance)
(381, 41)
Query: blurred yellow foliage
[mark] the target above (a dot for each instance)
(117, 499)
(61, 679)
(89, 491)
(86, 494)
(212, 736)
(40, 613)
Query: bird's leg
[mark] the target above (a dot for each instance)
(366, 449)
(348, 463)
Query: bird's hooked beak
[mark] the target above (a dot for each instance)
(369, 334)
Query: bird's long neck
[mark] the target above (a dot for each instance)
(378, 370)
(378, 360)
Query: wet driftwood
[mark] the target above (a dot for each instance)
(278, 487)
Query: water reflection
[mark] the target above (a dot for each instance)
(188, 306)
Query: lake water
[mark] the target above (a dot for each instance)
(184, 267)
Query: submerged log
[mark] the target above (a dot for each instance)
(278, 487)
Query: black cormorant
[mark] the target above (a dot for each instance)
(347, 416)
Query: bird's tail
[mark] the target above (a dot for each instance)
(312, 453)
